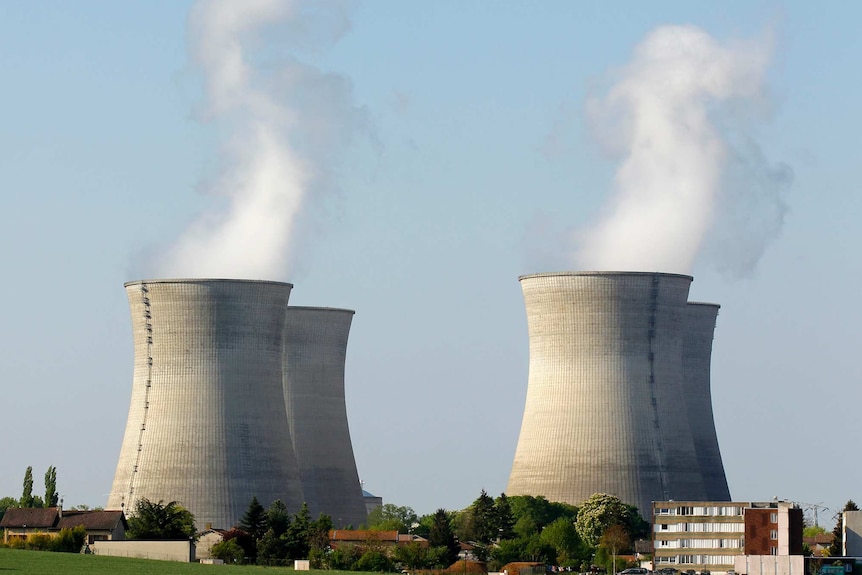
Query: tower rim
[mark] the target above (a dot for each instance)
(601, 274)
(203, 280)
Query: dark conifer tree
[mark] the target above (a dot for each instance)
(254, 520)
(440, 535)
(505, 518)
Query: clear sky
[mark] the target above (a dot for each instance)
(451, 152)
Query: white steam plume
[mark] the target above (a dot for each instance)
(673, 116)
(282, 122)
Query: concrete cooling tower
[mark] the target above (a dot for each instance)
(613, 377)
(696, 356)
(207, 425)
(315, 350)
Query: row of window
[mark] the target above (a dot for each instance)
(696, 560)
(700, 527)
(700, 543)
(716, 510)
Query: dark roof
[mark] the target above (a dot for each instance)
(31, 517)
(91, 520)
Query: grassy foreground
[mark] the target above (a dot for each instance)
(18, 562)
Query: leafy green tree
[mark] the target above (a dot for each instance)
(441, 535)
(413, 556)
(6, 503)
(272, 549)
(318, 533)
(837, 547)
(228, 551)
(532, 514)
(601, 511)
(298, 534)
(244, 540)
(813, 531)
(51, 496)
(27, 494)
(563, 537)
(253, 521)
(160, 521)
(374, 560)
(390, 517)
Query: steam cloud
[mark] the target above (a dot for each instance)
(692, 179)
(282, 123)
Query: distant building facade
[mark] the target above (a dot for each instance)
(709, 535)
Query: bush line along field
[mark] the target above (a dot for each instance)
(19, 562)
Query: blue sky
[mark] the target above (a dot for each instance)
(473, 153)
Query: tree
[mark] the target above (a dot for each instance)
(51, 496)
(505, 518)
(70, 540)
(27, 495)
(390, 517)
(298, 534)
(440, 535)
(160, 521)
(6, 503)
(837, 547)
(563, 537)
(253, 521)
(480, 523)
(601, 511)
(615, 539)
(228, 551)
(278, 518)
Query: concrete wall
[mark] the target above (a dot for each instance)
(770, 565)
(852, 533)
(606, 409)
(207, 426)
(315, 351)
(163, 550)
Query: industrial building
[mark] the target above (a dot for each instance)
(208, 421)
(618, 396)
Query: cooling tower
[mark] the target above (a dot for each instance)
(315, 350)
(606, 408)
(207, 426)
(696, 357)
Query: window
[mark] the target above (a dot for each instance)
(663, 511)
(773, 517)
(664, 526)
(773, 534)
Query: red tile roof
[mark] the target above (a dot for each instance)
(362, 535)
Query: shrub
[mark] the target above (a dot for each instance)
(374, 561)
(228, 551)
(70, 540)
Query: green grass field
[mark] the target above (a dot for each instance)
(15, 562)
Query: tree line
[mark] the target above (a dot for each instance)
(525, 528)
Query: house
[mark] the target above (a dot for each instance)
(17, 523)
(384, 540)
(100, 525)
